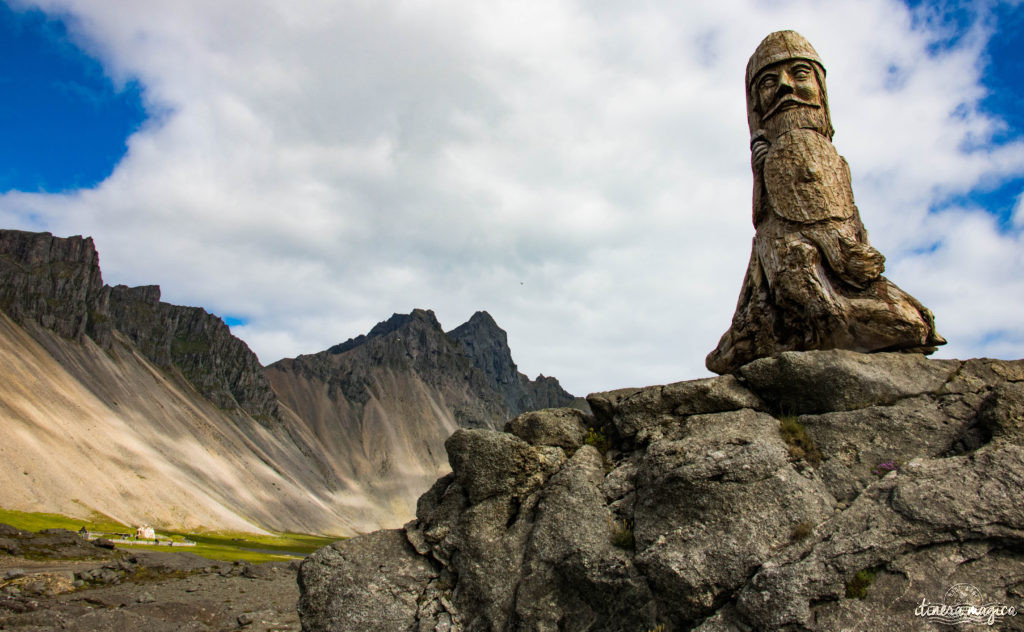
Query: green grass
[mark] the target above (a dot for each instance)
(224, 546)
(232, 546)
(38, 521)
(799, 444)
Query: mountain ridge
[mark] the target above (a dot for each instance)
(116, 402)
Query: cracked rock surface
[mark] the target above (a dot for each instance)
(820, 490)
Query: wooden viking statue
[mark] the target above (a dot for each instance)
(814, 281)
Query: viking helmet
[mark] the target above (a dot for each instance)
(780, 46)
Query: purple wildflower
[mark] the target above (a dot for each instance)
(886, 467)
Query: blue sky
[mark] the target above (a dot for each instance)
(580, 172)
(1003, 79)
(64, 122)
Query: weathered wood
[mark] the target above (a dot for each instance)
(813, 281)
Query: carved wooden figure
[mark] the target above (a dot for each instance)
(814, 281)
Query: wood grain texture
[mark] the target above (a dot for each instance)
(813, 281)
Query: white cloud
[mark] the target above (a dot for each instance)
(1018, 212)
(580, 170)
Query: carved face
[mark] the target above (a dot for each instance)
(786, 85)
(789, 95)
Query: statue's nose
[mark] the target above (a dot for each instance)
(785, 83)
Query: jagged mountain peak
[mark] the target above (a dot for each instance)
(55, 283)
(486, 344)
(398, 322)
(482, 318)
(417, 318)
(481, 334)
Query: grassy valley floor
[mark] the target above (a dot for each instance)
(56, 580)
(247, 547)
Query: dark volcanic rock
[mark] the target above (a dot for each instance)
(487, 463)
(55, 283)
(409, 345)
(49, 544)
(199, 344)
(708, 513)
(486, 344)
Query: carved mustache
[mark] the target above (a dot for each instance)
(786, 102)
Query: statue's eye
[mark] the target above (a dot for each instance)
(767, 81)
(801, 72)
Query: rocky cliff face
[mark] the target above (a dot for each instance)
(221, 367)
(486, 344)
(54, 283)
(815, 491)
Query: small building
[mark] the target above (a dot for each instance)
(145, 533)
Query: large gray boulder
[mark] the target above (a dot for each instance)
(373, 582)
(631, 410)
(814, 491)
(822, 381)
(487, 463)
(561, 427)
(715, 499)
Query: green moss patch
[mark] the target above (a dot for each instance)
(857, 587)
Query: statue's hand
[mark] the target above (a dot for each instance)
(864, 264)
(758, 151)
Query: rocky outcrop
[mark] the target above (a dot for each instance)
(49, 544)
(821, 490)
(486, 344)
(54, 283)
(547, 392)
(220, 366)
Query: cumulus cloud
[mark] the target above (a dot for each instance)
(579, 170)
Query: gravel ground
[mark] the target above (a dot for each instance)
(120, 591)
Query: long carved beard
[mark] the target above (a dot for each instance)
(801, 117)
